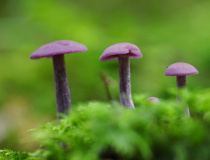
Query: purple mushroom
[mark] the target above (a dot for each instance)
(181, 70)
(153, 99)
(122, 52)
(56, 50)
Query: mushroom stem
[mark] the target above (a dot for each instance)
(61, 85)
(181, 83)
(124, 76)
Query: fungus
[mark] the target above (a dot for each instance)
(56, 50)
(153, 99)
(181, 70)
(123, 52)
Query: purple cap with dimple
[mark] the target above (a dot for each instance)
(112, 52)
(180, 69)
(58, 47)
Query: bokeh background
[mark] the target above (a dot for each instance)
(166, 31)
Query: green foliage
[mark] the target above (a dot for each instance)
(152, 131)
(12, 155)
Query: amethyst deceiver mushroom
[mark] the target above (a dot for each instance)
(56, 50)
(181, 70)
(123, 52)
(153, 99)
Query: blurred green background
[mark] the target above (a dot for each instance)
(166, 31)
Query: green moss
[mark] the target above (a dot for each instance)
(98, 130)
(12, 155)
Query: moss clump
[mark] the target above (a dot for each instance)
(12, 155)
(98, 130)
(153, 131)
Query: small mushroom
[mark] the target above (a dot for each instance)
(153, 99)
(56, 50)
(123, 52)
(181, 70)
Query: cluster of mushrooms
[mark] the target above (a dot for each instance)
(121, 51)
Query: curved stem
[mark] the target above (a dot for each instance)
(61, 85)
(106, 85)
(124, 76)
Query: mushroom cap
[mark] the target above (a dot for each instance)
(112, 52)
(153, 99)
(180, 69)
(58, 47)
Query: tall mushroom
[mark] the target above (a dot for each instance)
(56, 50)
(123, 52)
(181, 70)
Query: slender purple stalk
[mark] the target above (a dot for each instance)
(181, 81)
(125, 85)
(61, 85)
